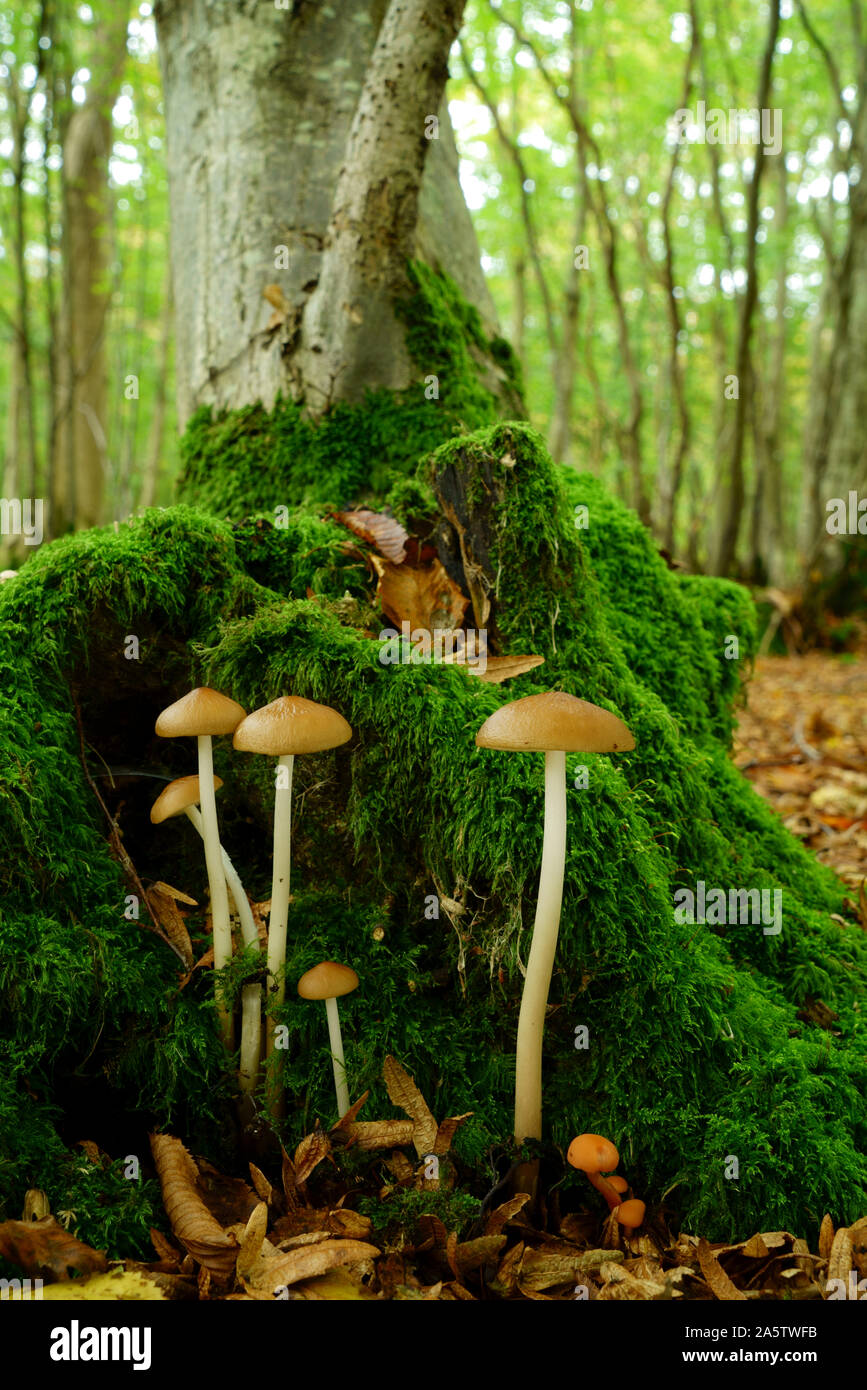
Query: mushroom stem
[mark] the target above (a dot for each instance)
(280, 884)
(336, 1041)
(242, 903)
(251, 1036)
(531, 1020)
(611, 1195)
(216, 878)
(251, 995)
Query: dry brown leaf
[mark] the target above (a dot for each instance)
(379, 1134)
(167, 1252)
(251, 1241)
(840, 1258)
(427, 598)
(446, 1133)
(560, 1264)
(473, 1254)
(45, 1247)
(504, 1213)
(457, 1292)
(197, 1230)
(433, 1234)
(161, 900)
(403, 1092)
(826, 1236)
(507, 1275)
(309, 1261)
(755, 1248)
(497, 668)
(36, 1204)
(379, 530)
(261, 1184)
(346, 1120)
(311, 1151)
(719, 1282)
(348, 1224)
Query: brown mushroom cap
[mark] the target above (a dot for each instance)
(328, 980)
(203, 711)
(177, 796)
(291, 725)
(593, 1153)
(554, 722)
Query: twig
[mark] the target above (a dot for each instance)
(117, 844)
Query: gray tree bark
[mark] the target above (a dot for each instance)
(260, 103)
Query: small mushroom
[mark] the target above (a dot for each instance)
(554, 723)
(594, 1155)
(287, 726)
(202, 714)
(329, 981)
(181, 798)
(630, 1214)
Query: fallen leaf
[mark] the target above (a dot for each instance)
(45, 1247)
(427, 598)
(403, 1092)
(826, 1236)
(718, 1281)
(497, 668)
(162, 902)
(311, 1151)
(379, 530)
(309, 1261)
(197, 1230)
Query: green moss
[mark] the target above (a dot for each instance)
(253, 460)
(399, 1213)
(696, 1051)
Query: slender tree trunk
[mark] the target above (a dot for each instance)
(28, 473)
(82, 424)
(156, 437)
(734, 501)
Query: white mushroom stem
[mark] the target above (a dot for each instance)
(216, 878)
(534, 1000)
(251, 995)
(336, 1041)
(280, 884)
(251, 1036)
(242, 903)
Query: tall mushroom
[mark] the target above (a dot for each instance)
(287, 726)
(181, 798)
(204, 714)
(554, 723)
(328, 981)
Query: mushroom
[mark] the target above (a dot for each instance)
(554, 723)
(594, 1155)
(181, 797)
(287, 726)
(329, 981)
(630, 1214)
(202, 714)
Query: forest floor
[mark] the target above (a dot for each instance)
(802, 742)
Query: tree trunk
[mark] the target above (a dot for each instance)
(253, 179)
(734, 502)
(79, 480)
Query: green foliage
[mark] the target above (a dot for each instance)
(398, 1214)
(107, 1210)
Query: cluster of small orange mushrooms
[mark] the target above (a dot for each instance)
(555, 723)
(595, 1155)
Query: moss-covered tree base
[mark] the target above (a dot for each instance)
(415, 855)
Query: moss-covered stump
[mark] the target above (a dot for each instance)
(415, 854)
